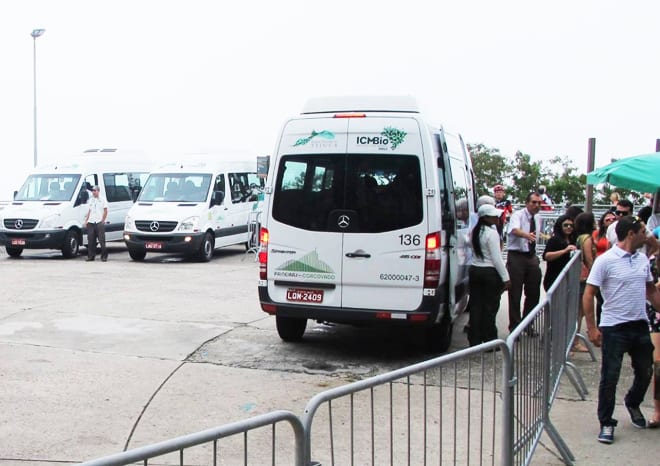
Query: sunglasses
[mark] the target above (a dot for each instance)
(567, 225)
(618, 213)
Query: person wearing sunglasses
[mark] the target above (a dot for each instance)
(625, 208)
(558, 249)
(623, 275)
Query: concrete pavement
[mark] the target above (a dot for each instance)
(97, 357)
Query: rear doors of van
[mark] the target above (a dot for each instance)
(347, 211)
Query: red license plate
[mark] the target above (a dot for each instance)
(18, 242)
(300, 295)
(151, 245)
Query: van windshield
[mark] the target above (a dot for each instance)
(176, 187)
(384, 191)
(48, 187)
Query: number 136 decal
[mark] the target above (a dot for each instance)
(410, 240)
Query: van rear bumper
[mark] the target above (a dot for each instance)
(41, 239)
(430, 306)
(175, 242)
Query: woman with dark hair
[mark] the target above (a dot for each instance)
(599, 238)
(488, 276)
(558, 249)
(585, 224)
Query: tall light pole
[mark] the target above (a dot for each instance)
(35, 33)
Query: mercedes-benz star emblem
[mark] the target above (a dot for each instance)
(154, 226)
(344, 221)
(18, 224)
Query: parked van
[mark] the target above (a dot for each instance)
(195, 206)
(49, 209)
(366, 219)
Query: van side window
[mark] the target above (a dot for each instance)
(116, 187)
(385, 192)
(245, 187)
(460, 192)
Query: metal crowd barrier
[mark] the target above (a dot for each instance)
(493, 411)
(236, 453)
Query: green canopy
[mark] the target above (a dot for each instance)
(640, 173)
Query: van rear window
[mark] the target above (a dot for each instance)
(384, 193)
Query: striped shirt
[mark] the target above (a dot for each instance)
(622, 279)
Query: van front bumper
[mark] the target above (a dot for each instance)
(33, 239)
(175, 242)
(430, 307)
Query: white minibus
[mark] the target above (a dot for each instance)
(195, 206)
(366, 219)
(49, 209)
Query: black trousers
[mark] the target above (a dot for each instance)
(94, 231)
(525, 272)
(485, 291)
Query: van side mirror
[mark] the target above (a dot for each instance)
(217, 198)
(15, 194)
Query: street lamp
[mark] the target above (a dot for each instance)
(35, 33)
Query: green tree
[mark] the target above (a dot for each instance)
(566, 185)
(490, 167)
(527, 176)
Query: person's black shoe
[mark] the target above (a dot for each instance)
(636, 417)
(104, 259)
(89, 259)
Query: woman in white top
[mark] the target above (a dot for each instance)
(488, 277)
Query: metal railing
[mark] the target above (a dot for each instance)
(491, 411)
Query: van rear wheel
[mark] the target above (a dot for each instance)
(438, 337)
(14, 251)
(71, 244)
(290, 328)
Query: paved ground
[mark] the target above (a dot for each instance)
(97, 357)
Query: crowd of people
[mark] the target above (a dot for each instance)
(619, 286)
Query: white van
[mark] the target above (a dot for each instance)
(195, 206)
(366, 219)
(49, 209)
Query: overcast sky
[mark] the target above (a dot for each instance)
(165, 76)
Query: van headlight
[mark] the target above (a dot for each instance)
(52, 221)
(189, 224)
(129, 223)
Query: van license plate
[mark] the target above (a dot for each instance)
(299, 295)
(150, 245)
(18, 242)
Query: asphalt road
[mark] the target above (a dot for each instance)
(99, 357)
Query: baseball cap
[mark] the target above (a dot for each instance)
(95, 187)
(498, 187)
(488, 210)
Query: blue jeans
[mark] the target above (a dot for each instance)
(632, 338)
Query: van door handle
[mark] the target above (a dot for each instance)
(358, 253)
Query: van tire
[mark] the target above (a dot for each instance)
(206, 248)
(137, 255)
(71, 244)
(290, 328)
(14, 251)
(438, 337)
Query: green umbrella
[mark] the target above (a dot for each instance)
(640, 173)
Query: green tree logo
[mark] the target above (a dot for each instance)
(396, 136)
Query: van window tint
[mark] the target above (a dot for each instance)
(121, 186)
(460, 191)
(176, 187)
(54, 187)
(245, 187)
(383, 193)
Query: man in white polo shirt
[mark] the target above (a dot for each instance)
(624, 277)
(95, 223)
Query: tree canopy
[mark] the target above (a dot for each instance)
(520, 175)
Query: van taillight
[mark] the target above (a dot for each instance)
(432, 261)
(263, 253)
